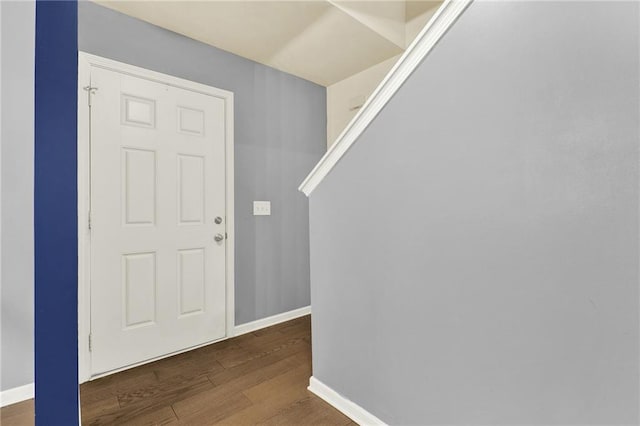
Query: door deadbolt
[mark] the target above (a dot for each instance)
(218, 220)
(218, 237)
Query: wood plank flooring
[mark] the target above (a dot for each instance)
(258, 378)
(17, 414)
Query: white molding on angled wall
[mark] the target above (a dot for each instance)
(437, 26)
(269, 321)
(15, 395)
(344, 405)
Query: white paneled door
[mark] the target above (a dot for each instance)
(157, 219)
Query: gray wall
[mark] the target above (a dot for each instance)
(280, 133)
(17, 28)
(475, 254)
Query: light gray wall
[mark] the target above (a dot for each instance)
(280, 133)
(17, 28)
(475, 254)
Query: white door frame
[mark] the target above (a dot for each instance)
(85, 62)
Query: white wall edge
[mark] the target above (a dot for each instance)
(15, 395)
(342, 404)
(433, 31)
(272, 320)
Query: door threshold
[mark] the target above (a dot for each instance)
(149, 361)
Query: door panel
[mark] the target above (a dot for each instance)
(157, 183)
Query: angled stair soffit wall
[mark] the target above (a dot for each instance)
(437, 26)
(324, 41)
(399, 21)
(386, 18)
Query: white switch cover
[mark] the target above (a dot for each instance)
(262, 208)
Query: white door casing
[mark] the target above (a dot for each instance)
(158, 179)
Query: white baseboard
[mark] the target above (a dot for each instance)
(269, 321)
(14, 395)
(342, 404)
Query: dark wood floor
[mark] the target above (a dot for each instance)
(17, 414)
(257, 378)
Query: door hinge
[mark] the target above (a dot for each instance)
(90, 346)
(90, 91)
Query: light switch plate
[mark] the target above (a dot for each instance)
(262, 208)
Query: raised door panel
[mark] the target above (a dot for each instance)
(139, 289)
(191, 281)
(191, 187)
(138, 186)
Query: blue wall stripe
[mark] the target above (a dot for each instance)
(55, 216)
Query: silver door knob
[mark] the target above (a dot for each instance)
(218, 237)
(218, 220)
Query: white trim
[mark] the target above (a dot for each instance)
(84, 253)
(272, 320)
(437, 26)
(230, 216)
(1, 144)
(15, 395)
(85, 62)
(342, 404)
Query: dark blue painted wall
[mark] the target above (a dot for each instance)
(55, 217)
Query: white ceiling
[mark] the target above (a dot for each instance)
(323, 41)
